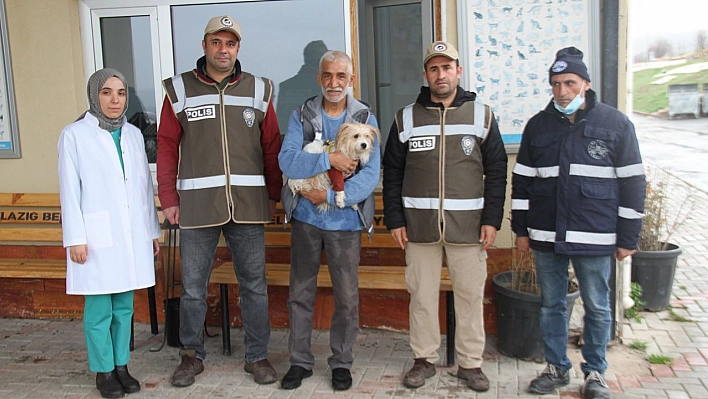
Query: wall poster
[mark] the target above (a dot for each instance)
(9, 139)
(507, 47)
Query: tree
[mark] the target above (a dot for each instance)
(660, 48)
(701, 40)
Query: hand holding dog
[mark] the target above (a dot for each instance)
(315, 196)
(342, 162)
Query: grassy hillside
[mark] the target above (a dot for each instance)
(652, 98)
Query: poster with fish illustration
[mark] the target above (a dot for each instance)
(508, 49)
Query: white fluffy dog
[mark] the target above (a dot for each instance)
(356, 141)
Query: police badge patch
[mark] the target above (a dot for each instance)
(598, 149)
(468, 144)
(249, 116)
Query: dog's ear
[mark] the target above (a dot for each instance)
(345, 129)
(373, 131)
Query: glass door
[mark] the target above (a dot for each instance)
(402, 29)
(126, 40)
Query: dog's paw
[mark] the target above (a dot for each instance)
(339, 198)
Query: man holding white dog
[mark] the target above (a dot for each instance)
(443, 189)
(338, 230)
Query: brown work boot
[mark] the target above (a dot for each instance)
(476, 380)
(415, 377)
(263, 372)
(187, 369)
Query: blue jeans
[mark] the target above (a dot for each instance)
(246, 242)
(593, 274)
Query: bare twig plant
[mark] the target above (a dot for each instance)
(663, 215)
(523, 278)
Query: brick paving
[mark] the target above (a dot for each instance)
(47, 358)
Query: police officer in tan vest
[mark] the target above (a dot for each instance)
(217, 169)
(444, 185)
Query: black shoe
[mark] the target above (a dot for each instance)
(108, 385)
(341, 379)
(550, 378)
(293, 378)
(595, 387)
(129, 384)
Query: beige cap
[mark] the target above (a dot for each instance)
(440, 48)
(223, 22)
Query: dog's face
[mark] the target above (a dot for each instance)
(356, 140)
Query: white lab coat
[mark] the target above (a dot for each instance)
(112, 213)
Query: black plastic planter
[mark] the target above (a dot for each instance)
(519, 319)
(654, 271)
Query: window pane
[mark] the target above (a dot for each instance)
(282, 41)
(127, 48)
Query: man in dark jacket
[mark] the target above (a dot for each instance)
(443, 186)
(578, 195)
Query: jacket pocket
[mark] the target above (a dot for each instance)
(601, 133)
(98, 230)
(599, 191)
(596, 208)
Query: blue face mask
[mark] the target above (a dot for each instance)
(572, 106)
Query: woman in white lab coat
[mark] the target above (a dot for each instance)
(109, 224)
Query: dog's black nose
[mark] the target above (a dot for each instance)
(363, 146)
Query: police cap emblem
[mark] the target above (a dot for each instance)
(559, 66)
(226, 21)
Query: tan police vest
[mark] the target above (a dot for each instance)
(221, 174)
(443, 184)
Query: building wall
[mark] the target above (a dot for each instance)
(45, 49)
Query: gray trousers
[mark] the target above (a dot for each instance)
(342, 251)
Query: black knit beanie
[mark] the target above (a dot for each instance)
(93, 88)
(569, 60)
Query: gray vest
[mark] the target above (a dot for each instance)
(310, 115)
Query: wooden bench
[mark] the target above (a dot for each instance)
(35, 220)
(33, 268)
(370, 277)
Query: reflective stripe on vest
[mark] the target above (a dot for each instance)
(210, 99)
(220, 181)
(477, 129)
(474, 204)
